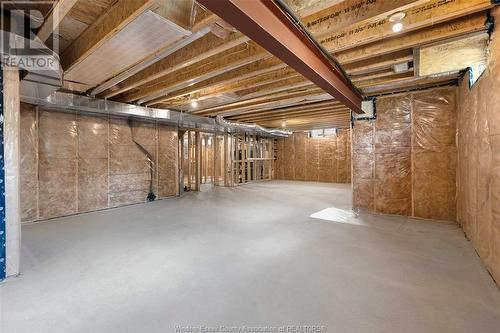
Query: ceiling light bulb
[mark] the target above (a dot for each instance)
(283, 124)
(397, 27)
(194, 104)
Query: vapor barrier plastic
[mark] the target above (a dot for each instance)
(434, 154)
(404, 161)
(479, 160)
(74, 163)
(324, 159)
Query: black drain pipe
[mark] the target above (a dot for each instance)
(151, 196)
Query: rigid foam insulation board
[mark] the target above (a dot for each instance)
(73, 163)
(324, 159)
(404, 161)
(478, 190)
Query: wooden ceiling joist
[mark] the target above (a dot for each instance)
(261, 116)
(301, 107)
(236, 57)
(293, 99)
(58, 13)
(434, 12)
(380, 62)
(350, 12)
(227, 82)
(267, 24)
(229, 74)
(326, 113)
(438, 32)
(204, 48)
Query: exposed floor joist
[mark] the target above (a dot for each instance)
(226, 73)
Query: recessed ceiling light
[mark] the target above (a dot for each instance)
(194, 104)
(397, 21)
(397, 27)
(397, 17)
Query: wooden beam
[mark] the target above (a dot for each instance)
(232, 77)
(232, 87)
(258, 101)
(350, 12)
(295, 115)
(289, 110)
(58, 13)
(410, 42)
(377, 63)
(395, 77)
(203, 48)
(239, 56)
(436, 11)
(411, 83)
(340, 116)
(470, 24)
(381, 74)
(198, 51)
(293, 99)
(266, 24)
(296, 124)
(105, 27)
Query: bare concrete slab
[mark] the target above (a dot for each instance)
(248, 256)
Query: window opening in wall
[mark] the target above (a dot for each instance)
(322, 133)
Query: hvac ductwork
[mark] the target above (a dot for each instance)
(43, 70)
(71, 102)
(245, 127)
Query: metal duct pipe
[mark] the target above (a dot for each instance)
(157, 57)
(250, 127)
(70, 102)
(44, 72)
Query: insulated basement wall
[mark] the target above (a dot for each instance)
(73, 163)
(323, 159)
(404, 162)
(478, 191)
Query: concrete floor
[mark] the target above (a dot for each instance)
(251, 256)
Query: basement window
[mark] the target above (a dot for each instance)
(322, 133)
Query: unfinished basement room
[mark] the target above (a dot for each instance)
(250, 166)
